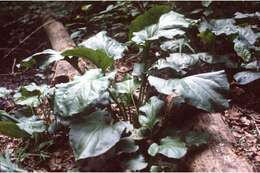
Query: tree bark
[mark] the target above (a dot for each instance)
(219, 156)
(60, 40)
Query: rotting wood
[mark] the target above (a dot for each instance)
(60, 40)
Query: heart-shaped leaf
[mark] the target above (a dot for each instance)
(168, 27)
(94, 134)
(73, 97)
(205, 91)
(99, 49)
(169, 147)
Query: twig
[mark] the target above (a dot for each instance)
(13, 66)
(26, 38)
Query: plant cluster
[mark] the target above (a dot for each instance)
(127, 118)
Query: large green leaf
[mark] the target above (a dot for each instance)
(169, 147)
(73, 97)
(97, 57)
(99, 49)
(246, 77)
(31, 95)
(151, 110)
(42, 59)
(167, 27)
(4, 92)
(11, 129)
(101, 41)
(182, 63)
(150, 17)
(205, 91)
(94, 134)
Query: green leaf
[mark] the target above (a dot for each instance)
(20, 126)
(97, 57)
(196, 138)
(99, 49)
(150, 17)
(134, 163)
(11, 129)
(246, 77)
(204, 91)
(254, 65)
(167, 27)
(138, 69)
(178, 44)
(183, 63)
(241, 46)
(151, 110)
(6, 164)
(42, 59)
(126, 87)
(101, 41)
(94, 134)
(169, 147)
(31, 125)
(228, 27)
(31, 95)
(73, 97)
(4, 92)
(239, 15)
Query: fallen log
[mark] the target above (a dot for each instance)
(63, 71)
(219, 155)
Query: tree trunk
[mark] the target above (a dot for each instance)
(60, 40)
(219, 156)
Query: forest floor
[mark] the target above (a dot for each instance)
(243, 117)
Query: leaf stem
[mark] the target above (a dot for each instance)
(118, 105)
